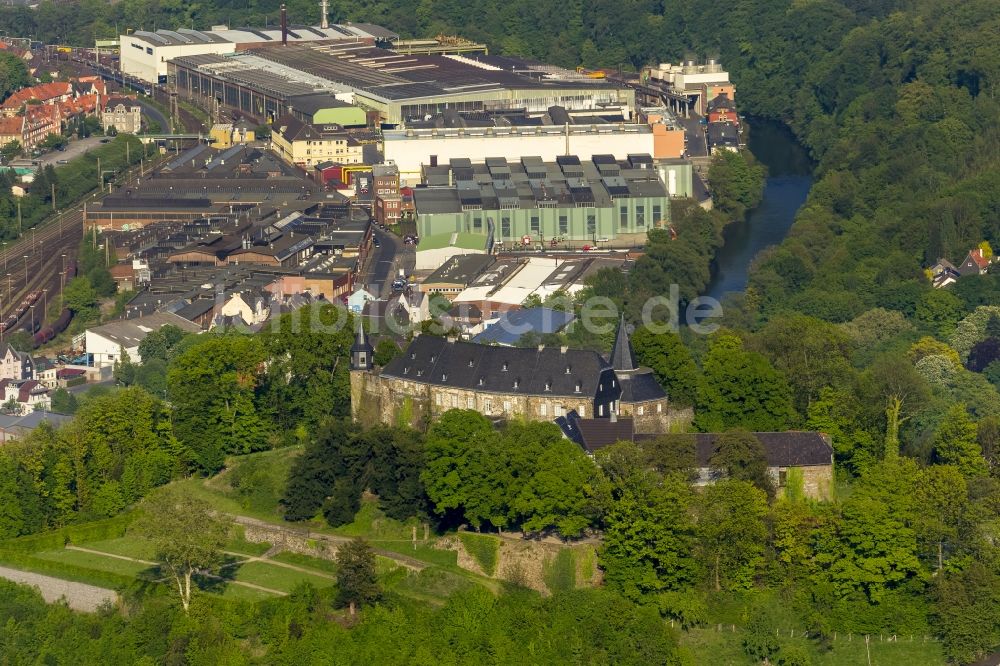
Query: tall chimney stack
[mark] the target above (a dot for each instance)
(284, 26)
(324, 7)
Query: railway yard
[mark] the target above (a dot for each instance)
(36, 267)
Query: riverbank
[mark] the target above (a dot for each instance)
(787, 185)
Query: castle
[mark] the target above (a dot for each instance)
(436, 374)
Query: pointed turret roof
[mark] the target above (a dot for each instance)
(622, 357)
(361, 339)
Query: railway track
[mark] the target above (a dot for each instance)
(38, 260)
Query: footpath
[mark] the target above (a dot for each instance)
(79, 596)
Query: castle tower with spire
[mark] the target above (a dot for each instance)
(642, 397)
(362, 354)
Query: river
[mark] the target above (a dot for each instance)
(788, 182)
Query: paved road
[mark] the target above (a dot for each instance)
(153, 114)
(381, 269)
(697, 143)
(79, 596)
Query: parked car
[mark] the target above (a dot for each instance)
(398, 284)
(375, 242)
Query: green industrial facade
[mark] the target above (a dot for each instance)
(626, 217)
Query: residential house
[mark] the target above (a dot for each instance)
(975, 263)
(26, 395)
(45, 94)
(356, 301)
(723, 136)
(796, 459)
(123, 114)
(721, 109)
(249, 306)
(16, 365)
(943, 274)
(31, 128)
(308, 145)
(107, 343)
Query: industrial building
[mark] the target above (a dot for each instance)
(532, 202)
(145, 54)
(204, 182)
(700, 82)
(413, 149)
(252, 86)
(399, 88)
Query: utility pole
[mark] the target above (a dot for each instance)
(18, 219)
(53, 197)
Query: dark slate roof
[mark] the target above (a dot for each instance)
(439, 361)
(640, 386)
(796, 448)
(622, 357)
(196, 308)
(361, 343)
(593, 434)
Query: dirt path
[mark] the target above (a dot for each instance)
(112, 555)
(277, 563)
(205, 574)
(79, 596)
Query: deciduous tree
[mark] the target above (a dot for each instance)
(188, 537)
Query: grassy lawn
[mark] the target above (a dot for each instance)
(128, 546)
(724, 648)
(326, 566)
(99, 563)
(276, 577)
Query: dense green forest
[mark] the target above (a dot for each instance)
(839, 331)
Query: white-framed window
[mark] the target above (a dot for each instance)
(506, 406)
(640, 410)
(454, 401)
(437, 399)
(488, 406)
(470, 403)
(659, 408)
(582, 411)
(600, 410)
(544, 409)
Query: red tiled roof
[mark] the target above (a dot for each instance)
(11, 126)
(41, 92)
(977, 256)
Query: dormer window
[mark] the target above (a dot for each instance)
(420, 373)
(517, 382)
(481, 381)
(413, 356)
(471, 363)
(406, 370)
(578, 387)
(505, 365)
(444, 377)
(548, 386)
(567, 370)
(432, 358)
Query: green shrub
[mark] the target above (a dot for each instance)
(98, 530)
(484, 549)
(559, 573)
